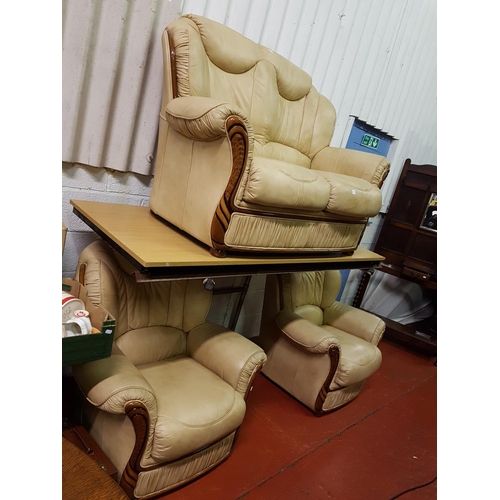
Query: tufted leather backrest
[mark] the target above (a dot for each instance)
(152, 318)
(310, 294)
(291, 121)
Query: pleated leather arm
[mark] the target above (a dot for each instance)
(305, 334)
(228, 354)
(203, 118)
(370, 167)
(111, 383)
(362, 324)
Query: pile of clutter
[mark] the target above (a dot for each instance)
(75, 318)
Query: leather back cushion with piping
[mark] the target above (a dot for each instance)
(291, 121)
(309, 293)
(152, 317)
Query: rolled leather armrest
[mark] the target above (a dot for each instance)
(110, 383)
(357, 322)
(202, 118)
(305, 334)
(370, 167)
(228, 354)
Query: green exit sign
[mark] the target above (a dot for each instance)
(370, 142)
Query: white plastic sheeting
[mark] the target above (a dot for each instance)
(397, 299)
(374, 59)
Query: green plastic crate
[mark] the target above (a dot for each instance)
(85, 348)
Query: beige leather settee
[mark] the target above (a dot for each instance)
(319, 350)
(244, 161)
(166, 406)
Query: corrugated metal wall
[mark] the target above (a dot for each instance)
(374, 59)
(112, 77)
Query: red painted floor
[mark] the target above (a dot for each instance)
(381, 446)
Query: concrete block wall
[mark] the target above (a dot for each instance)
(82, 182)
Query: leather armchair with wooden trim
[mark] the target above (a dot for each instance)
(167, 405)
(244, 161)
(319, 350)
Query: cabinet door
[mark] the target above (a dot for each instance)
(403, 241)
(408, 206)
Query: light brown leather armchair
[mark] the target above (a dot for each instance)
(167, 404)
(319, 350)
(244, 161)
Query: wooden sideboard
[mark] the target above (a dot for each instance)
(408, 241)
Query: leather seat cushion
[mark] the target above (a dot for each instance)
(358, 359)
(351, 196)
(299, 187)
(195, 407)
(310, 190)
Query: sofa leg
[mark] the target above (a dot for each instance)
(217, 253)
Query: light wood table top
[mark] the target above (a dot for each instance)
(161, 251)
